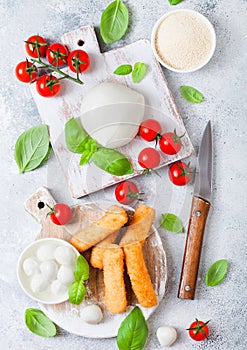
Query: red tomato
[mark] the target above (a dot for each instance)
(126, 192)
(78, 61)
(60, 214)
(26, 71)
(35, 46)
(170, 143)
(198, 330)
(180, 173)
(48, 85)
(150, 130)
(57, 54)
(148, 159)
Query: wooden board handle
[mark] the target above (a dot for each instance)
(192, 252)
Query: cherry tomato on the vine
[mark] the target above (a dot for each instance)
(148, 159)
(26, 71)
(36, 46)
(198, 330)
(180, 173)
(78, 61)
(60, 214)
(48, 85)
(127, 192)
(170, 143)
(150, 130)
(57, 54)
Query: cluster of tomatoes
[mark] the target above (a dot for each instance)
(57, 56)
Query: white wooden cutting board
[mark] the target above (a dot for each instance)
(56, 111)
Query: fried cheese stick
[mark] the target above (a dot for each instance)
(114, 218)
(139, 276)
(96, 259)
(113, 267)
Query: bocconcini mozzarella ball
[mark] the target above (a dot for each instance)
(30, 266)
(49, 269)
(64, 255)
(66, 274)
(58, 288)
(45, 252)
(91, 314)
(39, 283)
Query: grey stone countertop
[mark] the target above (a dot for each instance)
(222, 82)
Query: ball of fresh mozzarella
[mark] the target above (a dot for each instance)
(92, 314)
(58, 288)
(39, 283)
(64, 255)
(49, 269)
(111, 113)
(166, 335)
(65, 274)
(45, 252)
(30, 266)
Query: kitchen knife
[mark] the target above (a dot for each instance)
(198, 217)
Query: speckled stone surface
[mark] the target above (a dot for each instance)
(222, 82)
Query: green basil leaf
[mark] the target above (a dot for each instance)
(171, 223)
(133, 331)
(139, 72)
(38, 323)
(190, 94)
(75, 136)
(77, 292)
(81, 271)
(112, 162)
(174, 2)
(114, 22)
(90, 147)
(124, 69)
(31, 148)
(216, 273)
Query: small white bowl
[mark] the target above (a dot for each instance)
(200, 16)
(24, 280)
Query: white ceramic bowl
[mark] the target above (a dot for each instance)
(200, 16)
(24, 280)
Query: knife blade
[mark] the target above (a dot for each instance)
(198, 217)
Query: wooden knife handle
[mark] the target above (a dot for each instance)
(192, 251)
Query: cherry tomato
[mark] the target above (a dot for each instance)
(26, 71)
(127, 192)
(170, 143)
(180, 173)
(36, 46)
(78, 61)
(198, 330)
(60, 214)
(57, 54)
(150, 130)
(148, 159)
(48, 85)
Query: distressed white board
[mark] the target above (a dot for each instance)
(56, 111)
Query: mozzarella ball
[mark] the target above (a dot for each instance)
(66, 274)
(39, 283)
(58, 288)
(49, 269)
(64, 255)
(30, 266)
(45, 252)
(92, 314)
(166, 335)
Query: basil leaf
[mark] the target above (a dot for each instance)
(138, 72)
(133, 331)
(77, 292)
(114, 22)
(216, 273)
(124, 69)
(174, 2)
(75, 135)
(171, 223)
(31, 148)
(81, 271)
(38, 323)
(191, 94)
(90, 147)
(112, 162)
